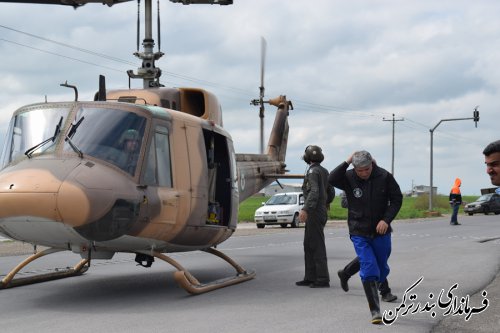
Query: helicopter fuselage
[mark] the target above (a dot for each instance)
(176, 188)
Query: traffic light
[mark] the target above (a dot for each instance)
(476, 115)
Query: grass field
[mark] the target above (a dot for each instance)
(412, 207)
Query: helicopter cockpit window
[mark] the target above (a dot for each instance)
(158, 169)
(35, 131)
(114, 136)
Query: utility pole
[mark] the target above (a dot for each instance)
(475, 117)
(393, 122)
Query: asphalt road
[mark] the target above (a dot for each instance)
(118, 296)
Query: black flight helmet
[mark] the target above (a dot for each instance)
(313, 154)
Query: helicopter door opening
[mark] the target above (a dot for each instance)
(219, 179)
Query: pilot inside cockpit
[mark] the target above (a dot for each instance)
(129, 145)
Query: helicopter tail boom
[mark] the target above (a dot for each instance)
(254, 169)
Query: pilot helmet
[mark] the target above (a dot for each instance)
(313, 154)
(130, 134)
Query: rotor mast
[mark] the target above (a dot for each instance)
(148, 72)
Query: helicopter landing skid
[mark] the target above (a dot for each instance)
(187, 281)
(9, 282)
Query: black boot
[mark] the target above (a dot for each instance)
(343, 280)
(304, 283)
(371, 293)
(385, 292)
(349, 270)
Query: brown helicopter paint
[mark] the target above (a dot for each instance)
(63, 188)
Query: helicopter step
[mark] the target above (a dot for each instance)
(9, 282)
(187, 281)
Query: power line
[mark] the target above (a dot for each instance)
(112, 58)
(300, 105)
(314, 107)
(70, 46)
(417, 123)
(311, 107)
(62, 56)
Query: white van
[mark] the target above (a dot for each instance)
(282, 209)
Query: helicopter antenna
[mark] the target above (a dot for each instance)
(138, 22)
(158, 24)
(101, 95)
(65, 84)
(260, 101)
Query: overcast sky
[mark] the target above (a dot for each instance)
(346, 66)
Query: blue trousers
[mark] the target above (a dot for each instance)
(373, 255)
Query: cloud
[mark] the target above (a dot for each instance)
(346, 66)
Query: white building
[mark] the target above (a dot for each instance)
(419, 190)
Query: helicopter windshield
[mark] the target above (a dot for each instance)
(30, 128)
(114, 136)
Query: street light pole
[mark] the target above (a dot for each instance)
(475, 117)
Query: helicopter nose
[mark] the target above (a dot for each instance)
(95, 201)
(89, 193)
(31, 189)
(73, 204)
(99, 202)
(64, 191)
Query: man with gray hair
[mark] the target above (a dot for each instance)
(374, 200)
(492, 161)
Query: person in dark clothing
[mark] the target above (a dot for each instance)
(127, 153)
(374, 200)
(317, 194)
(455, 201)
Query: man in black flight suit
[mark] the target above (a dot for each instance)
(317, 195)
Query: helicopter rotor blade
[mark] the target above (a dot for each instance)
(263, 45)
(73, 3)
(78, 3)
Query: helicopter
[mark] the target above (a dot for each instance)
(146, 171)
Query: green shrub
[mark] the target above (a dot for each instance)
(249, 206)
(438, 201)
(412, 207)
